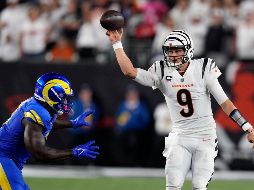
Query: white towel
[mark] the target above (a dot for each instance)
(170, 140)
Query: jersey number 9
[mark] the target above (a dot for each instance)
(184, 99)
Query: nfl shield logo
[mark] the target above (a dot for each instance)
(182, 79)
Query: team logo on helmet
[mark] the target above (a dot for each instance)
(55, 90)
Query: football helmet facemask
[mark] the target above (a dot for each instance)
(56, 91)
(178, 39)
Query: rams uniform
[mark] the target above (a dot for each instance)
(13, 153)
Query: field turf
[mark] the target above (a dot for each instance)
(125, 184)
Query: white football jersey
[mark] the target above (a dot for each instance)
(187, 96)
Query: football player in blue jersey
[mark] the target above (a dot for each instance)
(24, 133)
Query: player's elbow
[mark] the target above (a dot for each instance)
(35, 152)
(38, 155)
(127, 74)
(130, 73)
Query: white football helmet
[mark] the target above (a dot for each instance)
(178, 39)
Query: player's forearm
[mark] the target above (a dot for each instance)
(230, 109)
(125, 64)
(51, 154)
(36, 145)
(62, 124)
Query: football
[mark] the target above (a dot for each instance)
(112, 20)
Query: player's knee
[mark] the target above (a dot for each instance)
(199, 183)
(174, 182)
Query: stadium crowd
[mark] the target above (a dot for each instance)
(69, 30)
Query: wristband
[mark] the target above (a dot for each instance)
(117, 45)
(237, 117)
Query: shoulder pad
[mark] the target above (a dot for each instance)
(38, 115)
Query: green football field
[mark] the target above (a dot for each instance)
(125, 184)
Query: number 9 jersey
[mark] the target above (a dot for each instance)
(188, 95)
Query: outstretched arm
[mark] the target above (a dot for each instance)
(123, 60)
(36, 145)
(230, 109)
(62, 124)
(78, 122)
(140, 75)
(228, 106)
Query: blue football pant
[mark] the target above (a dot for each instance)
(10, 176)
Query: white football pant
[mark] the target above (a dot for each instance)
(195, 153)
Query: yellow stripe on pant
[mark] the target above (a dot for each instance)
(4, 183)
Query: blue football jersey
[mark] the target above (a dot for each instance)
(12, 132)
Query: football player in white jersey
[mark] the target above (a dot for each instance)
(186, 84)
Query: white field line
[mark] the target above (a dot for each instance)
(95, 172)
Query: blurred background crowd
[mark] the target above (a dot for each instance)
(68, 32)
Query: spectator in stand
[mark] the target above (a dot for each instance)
(179, 13)
(70, 21)
(163, 122)
(34, 34)
(85, 101)
(63, 51)
(216, 38)
(11, 19)
(154, 11)
(245, 32)
(103, 48)
(162, 30)
(162, 126)
(231, 13)
(197, 24)
(87, 41)
(132, 122)
(52, 12)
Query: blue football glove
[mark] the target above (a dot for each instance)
(80, 120)
(86, 150)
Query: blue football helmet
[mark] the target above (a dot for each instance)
(56, 91)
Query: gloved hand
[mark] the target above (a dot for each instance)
(80, 120)
(86, 150)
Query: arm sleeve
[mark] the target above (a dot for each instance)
(148, 78)
(216, 90)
